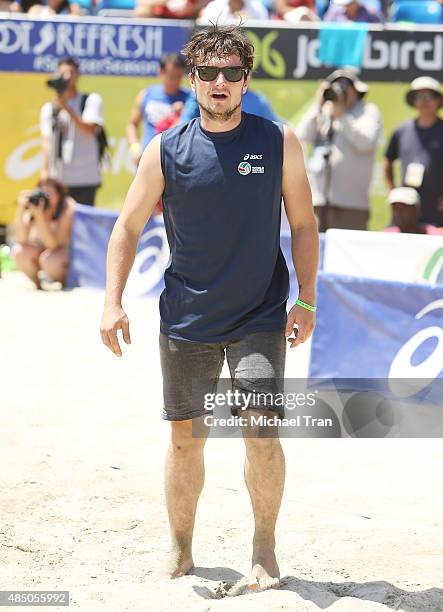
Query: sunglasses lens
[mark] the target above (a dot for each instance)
(207, 73)
(425, 95)
(233, 74)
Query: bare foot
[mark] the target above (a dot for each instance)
(179, 563)
(264, 575)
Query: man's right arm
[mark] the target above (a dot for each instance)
(46, 132)
(132, 128)
(390, 156)
(144, 192)
(44, 169)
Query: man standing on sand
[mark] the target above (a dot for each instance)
(222, 177)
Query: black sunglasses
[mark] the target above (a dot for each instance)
(233, 74)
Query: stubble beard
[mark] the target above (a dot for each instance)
(219, 117)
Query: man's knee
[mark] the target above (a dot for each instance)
(185, 436)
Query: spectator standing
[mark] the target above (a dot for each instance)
(153, 104)
(42, 231)
(405, 203)
(230, 12)
(69, 126)
(351, 10)
(344, 131)
(418, 144)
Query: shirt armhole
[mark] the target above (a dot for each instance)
(162, 155)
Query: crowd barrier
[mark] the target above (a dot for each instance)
(90, 235)
(370, 328)
(367, 328)
(410, 258)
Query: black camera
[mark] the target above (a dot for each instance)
(335, 92)
(37, 195)
(59, 83)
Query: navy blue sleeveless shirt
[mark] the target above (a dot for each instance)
(227, 276)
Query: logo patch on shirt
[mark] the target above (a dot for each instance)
(244, 167)
(251, 156)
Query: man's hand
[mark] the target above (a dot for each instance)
(38, 210)
(136, 153)
(334, 109)
(305, 321)
(319, 94)
(113, 319)
(23, 199)
(61, 104)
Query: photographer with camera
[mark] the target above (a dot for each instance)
(42, 231)
(344, 131)
(73, 136)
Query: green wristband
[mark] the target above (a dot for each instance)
(307, 306)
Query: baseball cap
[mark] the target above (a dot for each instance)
(404, 195)
(421, 83)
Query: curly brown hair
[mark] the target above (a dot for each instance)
(218, 41)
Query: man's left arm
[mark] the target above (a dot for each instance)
(304, 237)
(92, 116)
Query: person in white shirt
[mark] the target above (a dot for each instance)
(344, 131)
(69, 126)
(228, 12)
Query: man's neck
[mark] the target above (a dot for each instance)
(427, 121)
(211, 124)
(71, 93)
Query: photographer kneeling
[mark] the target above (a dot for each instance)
(344, 131)
(42, 231)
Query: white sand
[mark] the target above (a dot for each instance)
(82, 504)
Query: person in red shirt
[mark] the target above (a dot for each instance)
(169, 121)
(170, 9)
(405, 203)
(296, 10)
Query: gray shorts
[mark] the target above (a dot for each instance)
(256, 363)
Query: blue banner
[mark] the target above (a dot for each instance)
(377, 329)
(123, 47)
(89, 242)
(132, 47)
(90, 236)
